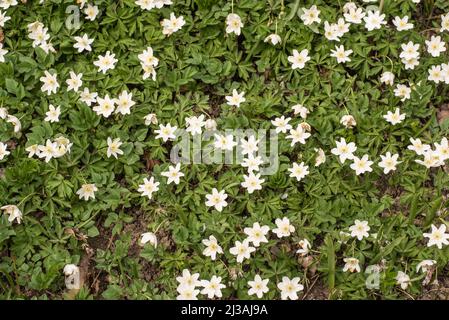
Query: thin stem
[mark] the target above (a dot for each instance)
(160, 224)
(391, 62)
(26, 197)
(381, 5)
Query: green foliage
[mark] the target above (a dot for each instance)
(198, 66)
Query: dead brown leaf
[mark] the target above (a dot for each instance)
(443, 113)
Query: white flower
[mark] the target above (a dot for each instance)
(50, 83)
(195, 124)
(444, 22)
(273, 38)
(233, 24)
(32, 150)
(298, 135)
(150, 118)
(249, 146)
(3, 113)
(410, 63)
(2, 54)
(64, 145)
(148, 237)
(361, 165)
(252, 182)
(223, 142)
(418, 147)
(106, 62)
(213, 287)
(359, 229)
(436, 74)
(160, 3)
(410, 51)
(389, 162)
(114, 147)
(87, 191)
(431, 159)
(166, 132)
(105, 106)
(424, 265)
(348, 6)
(91, 12)
(351, 265)
(52, 115)
(124, 103)
(148, 187)
(210, 125)
(298, 171)
(305, 247)
(172, 25)
(149, 71)
(387, 78)
(445, 68)
(342, 27)
(354, 15)
(348, 121)
(14, 213)
(146, 4)
(331, 31)
(188, 280)
(212, 247)
(343, 150)
(290, 288)
(299, 108)
(284, 228)
(173, 174)
(435, 46)
(402, 91)
(147, 57)
(258, 286)
(40, 37)
(282, 124)
(47, 47)
(72, 277)
(88, 97)
(402, 24)
(48, 151)
(394, 118)
(437, 236)
(257, 234)
(299, 59)
(236, 99)
(3, 18)
(443, 148)
(75, 82)
(374, 20)
(341, 54)
(3, 151)
(5, 4)
(320, 158)
(403, 280)
(252, 163)
(310, 15)
(187, 293)
(217, 199)
(242, 250)
(83, 43)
